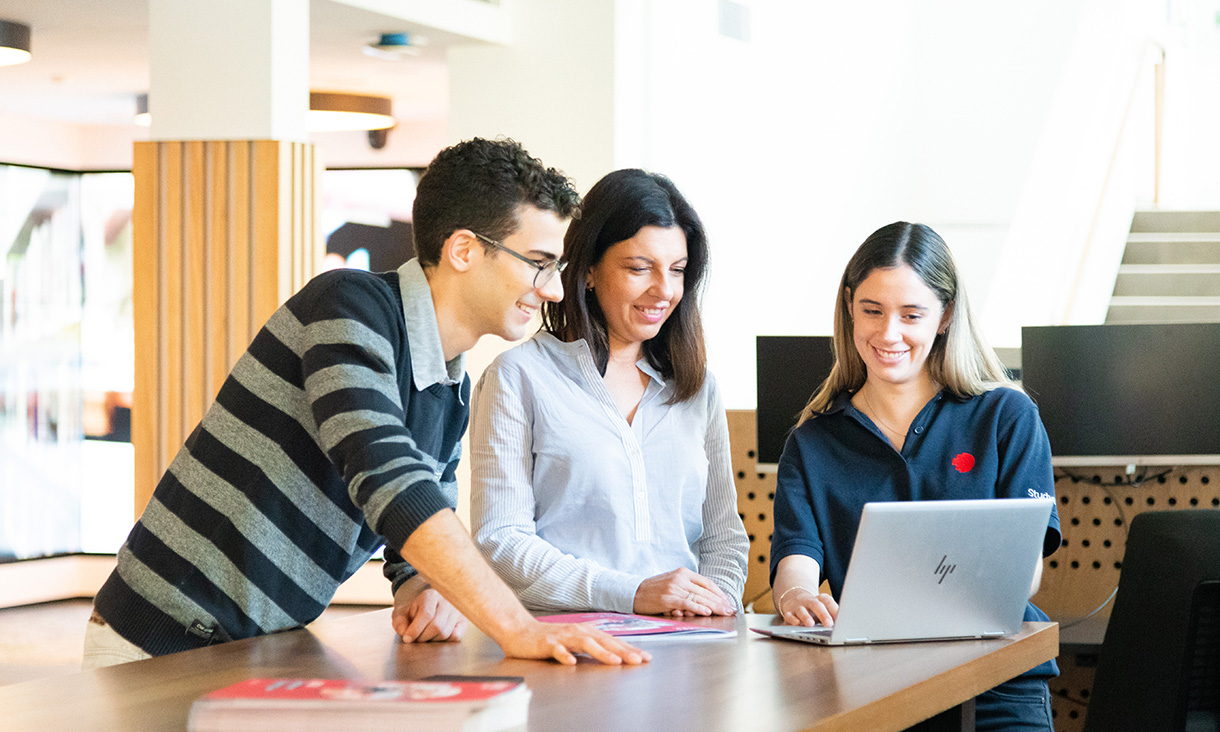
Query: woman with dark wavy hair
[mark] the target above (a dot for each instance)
(600, 470)
(917, 407)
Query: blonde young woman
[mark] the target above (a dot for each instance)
(917, 407)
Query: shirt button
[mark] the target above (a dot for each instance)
(919, 430)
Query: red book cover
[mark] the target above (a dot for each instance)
(487, 704)
(340, 690)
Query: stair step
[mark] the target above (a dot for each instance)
(1168, 280)
(1177, 251)
(1189, 269)
(1170, 237)
(1165, 300)
(1170, 270)
(1175, 221)
(1142, 309)
(1162, 315)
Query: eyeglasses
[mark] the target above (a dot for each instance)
(546, 270)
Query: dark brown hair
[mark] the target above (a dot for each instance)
(614, 210)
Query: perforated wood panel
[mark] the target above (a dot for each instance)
(1095, 507)
(755, 494)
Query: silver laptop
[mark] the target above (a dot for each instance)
(935, 570)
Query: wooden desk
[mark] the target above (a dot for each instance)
(749, 682)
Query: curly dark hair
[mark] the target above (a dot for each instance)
(478, 184)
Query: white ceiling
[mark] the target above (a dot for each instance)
(90, 60)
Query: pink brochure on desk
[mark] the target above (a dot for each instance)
(642, 627)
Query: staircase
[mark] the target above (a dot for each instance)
(1170, 271)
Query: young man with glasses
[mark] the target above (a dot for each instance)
(338, 431)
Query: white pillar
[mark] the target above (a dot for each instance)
(228, 69)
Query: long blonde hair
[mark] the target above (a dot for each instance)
(960, 358)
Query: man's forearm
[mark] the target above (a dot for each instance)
(442, 550)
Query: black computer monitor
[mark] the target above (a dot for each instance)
(790, 369)
(1126, 394)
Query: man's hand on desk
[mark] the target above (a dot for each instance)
(421, 614)
(441, 548)
(562, 641)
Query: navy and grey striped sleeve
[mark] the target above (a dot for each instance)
(351, 341)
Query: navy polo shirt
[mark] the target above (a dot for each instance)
(988, 446)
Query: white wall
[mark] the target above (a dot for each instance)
(1192, 107)
(1067, 234)
(834, 120)
(552, 89)
(781, 142)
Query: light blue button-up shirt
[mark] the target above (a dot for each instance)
(574, 506)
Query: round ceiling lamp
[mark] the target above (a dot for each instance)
(336, 111)
(328, 112)
(14, 43)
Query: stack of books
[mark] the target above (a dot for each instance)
(468, 704)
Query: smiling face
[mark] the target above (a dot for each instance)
(638, 284)
(507, 299)
(895, 320)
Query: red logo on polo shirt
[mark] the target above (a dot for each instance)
(964, 462)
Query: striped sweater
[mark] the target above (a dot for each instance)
(337, 431)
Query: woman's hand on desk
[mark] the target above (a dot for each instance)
(421, 614)
(805, 607)
(681, 592)
(795, 601)
(562, 641)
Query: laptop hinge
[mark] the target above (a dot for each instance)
(994, 634)
(855, 640)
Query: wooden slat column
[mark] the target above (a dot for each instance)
(225, 231)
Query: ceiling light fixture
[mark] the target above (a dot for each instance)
(328, 112)
(143, 118)
(14, 43)
(393, 46)
(335, 111)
